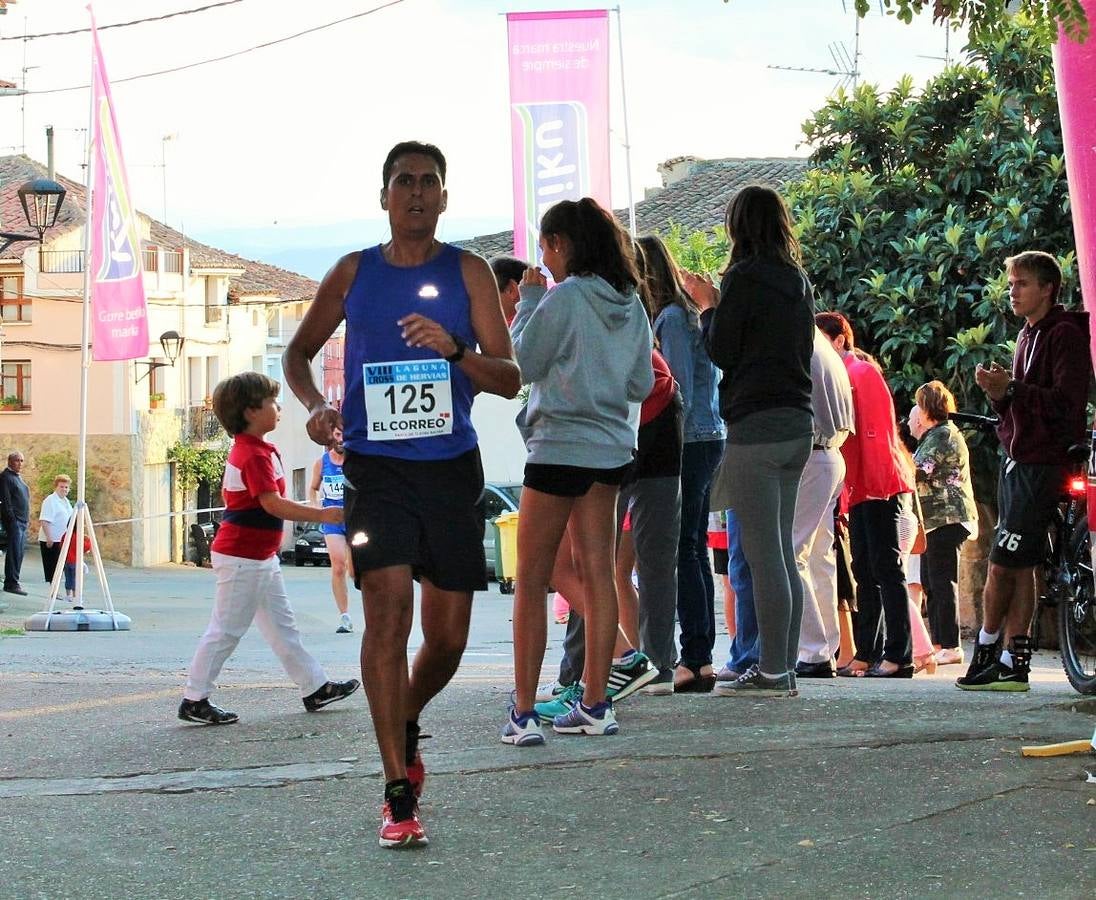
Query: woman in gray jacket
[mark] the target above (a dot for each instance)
(585, 348)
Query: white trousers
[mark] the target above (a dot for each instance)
(250, 589)
(812, 539)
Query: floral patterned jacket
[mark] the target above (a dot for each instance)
(943, 477)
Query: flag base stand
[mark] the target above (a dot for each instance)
(77, 620)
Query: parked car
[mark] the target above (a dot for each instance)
(310, 547)
(497, 498)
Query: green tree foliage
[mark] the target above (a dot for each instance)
(194, 464)
(915, 199)
(58, 462)
(986, 18)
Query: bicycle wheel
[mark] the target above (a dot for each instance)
(1077, 618)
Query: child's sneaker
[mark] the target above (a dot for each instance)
(330, 692)
(522, 731)
(346, 626)
(581, 719)
(205, 713)
(626, 679)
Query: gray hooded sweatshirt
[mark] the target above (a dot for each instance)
(586, 350)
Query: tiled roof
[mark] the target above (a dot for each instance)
(14, 172)
(256, 278)
(697, 201)
(263, 279)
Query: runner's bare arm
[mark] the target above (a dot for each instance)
(292, 511)
(493, 368)
(320, 322)
(314, 483)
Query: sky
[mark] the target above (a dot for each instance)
(282, 147)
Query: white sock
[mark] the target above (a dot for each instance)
(626, 659)
(984, 637)
(1006, 658)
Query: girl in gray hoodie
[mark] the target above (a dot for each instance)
(585, 348)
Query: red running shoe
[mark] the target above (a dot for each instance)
(404, 833)
(416, 774)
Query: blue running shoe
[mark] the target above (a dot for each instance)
(583, 720)
(522, 731)
(560, 705)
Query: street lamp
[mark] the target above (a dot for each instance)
(172, 343)
(42, 199)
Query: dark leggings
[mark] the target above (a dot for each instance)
(882, 620)
(940, 577)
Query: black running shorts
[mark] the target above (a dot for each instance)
(420, 514)
(1027, 494)
(571, 481)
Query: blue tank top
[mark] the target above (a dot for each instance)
(331, 490)
(331, 482)
(380, 295)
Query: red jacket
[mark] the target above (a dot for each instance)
(872, 456)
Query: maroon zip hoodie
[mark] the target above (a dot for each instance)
(1052, 369)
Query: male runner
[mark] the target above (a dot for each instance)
(415, 310)
(326, 489)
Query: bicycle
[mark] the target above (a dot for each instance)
(1067, 573)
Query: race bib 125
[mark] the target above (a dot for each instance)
(408, 399)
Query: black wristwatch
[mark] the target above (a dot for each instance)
(461, 347)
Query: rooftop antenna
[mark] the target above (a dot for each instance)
(947, 48)
(845, 65)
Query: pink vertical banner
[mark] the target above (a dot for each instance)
(119, 319)
(559, 114)
(1075, 77)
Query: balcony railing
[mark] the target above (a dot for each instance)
(201, 424)
(56, 262)
(173, 262)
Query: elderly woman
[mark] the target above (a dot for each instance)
(947, 506)
(52, 522)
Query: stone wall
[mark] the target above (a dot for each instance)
(110, 472)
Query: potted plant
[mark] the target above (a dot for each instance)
(11, 402)
(156, 401)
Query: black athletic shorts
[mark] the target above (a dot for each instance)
(1027, 494)
(571, 481)
(420, 514)
(719, 560)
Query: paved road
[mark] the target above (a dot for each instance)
(855, 789)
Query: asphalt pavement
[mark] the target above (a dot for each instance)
(854, 789)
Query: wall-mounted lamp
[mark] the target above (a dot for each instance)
(173, 346)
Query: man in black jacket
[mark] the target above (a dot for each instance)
(15, 514)
(1041, 405)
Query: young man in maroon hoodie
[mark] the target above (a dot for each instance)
(1041, 406)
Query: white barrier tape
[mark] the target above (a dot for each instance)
(185, 512)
